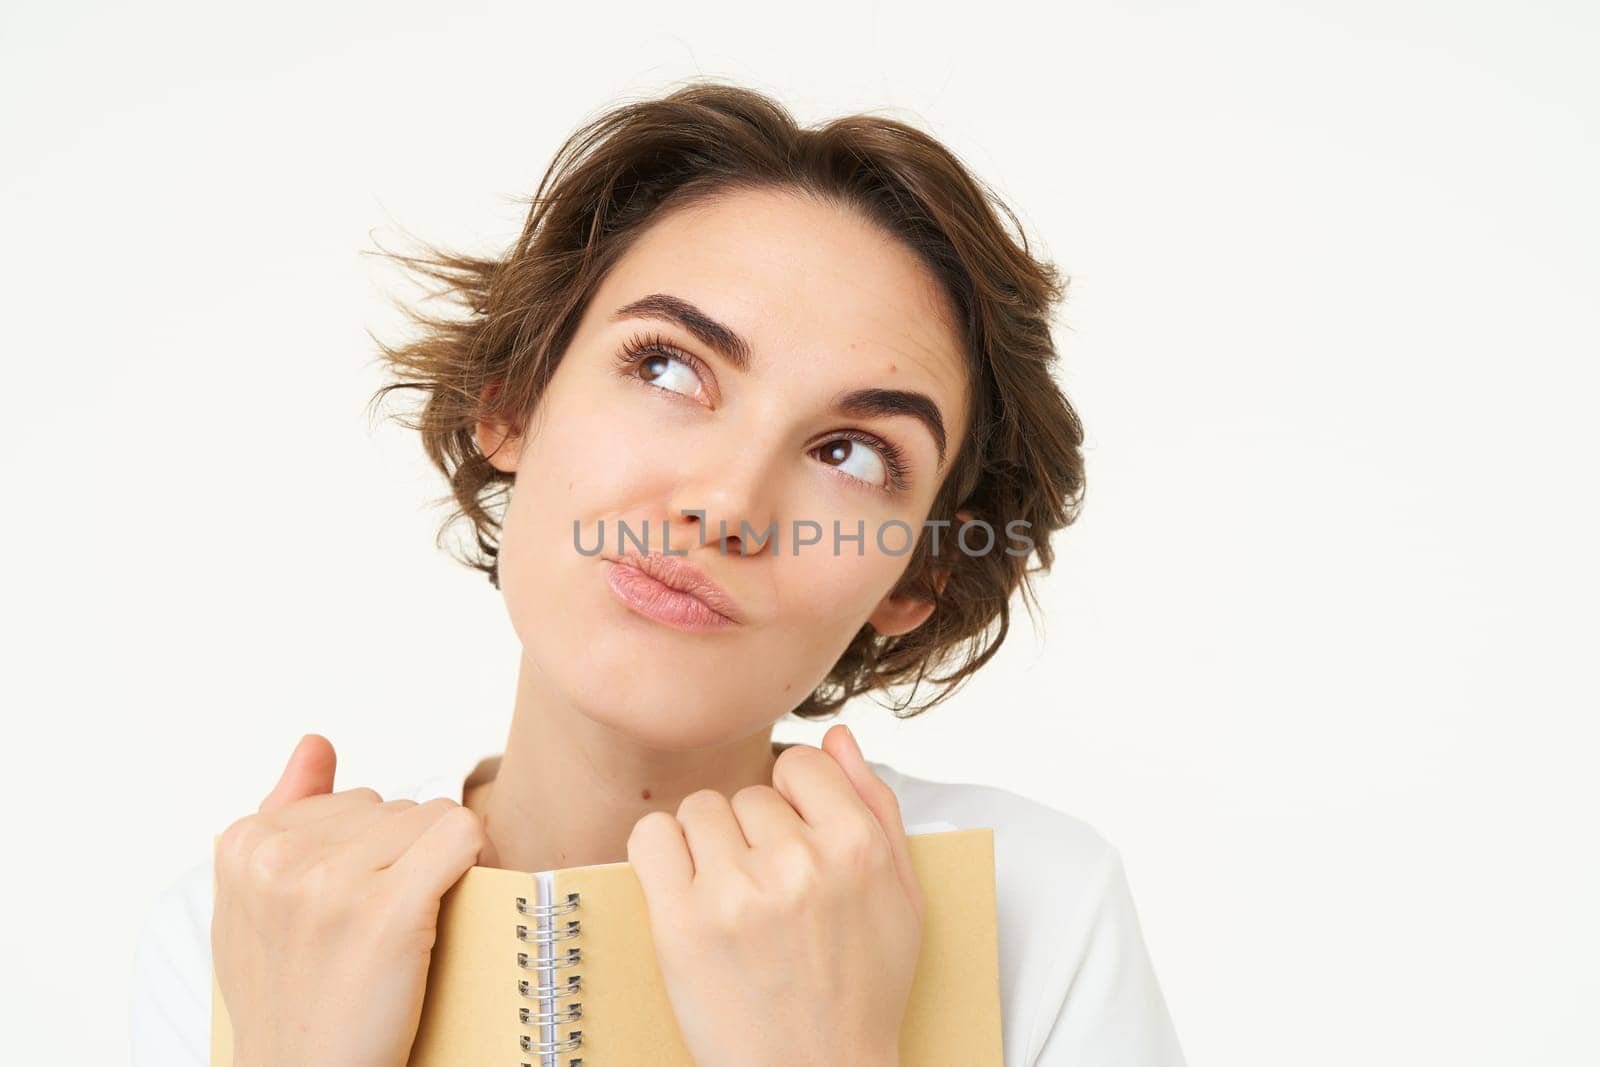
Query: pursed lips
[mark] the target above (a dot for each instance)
(678, 574)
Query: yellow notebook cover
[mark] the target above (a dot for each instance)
(471, 1008)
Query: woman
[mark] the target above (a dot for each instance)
(809, 371)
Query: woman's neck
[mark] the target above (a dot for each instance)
(567, 789)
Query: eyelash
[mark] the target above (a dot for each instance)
(636, 349)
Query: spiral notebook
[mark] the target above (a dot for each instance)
(557, 969)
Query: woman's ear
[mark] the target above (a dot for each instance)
(898, 613)
(498, 440)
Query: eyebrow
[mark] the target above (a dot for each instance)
(866, 403)
(859, 403)
(709, 331)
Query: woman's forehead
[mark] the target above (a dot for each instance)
(799, 281)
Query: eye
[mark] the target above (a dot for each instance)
(652, 362)
(863, 457)
(866, 458)
(670, 373)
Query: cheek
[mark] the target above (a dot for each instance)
(596, 459)
(581, 465)
(561, 475)
(578, 446)
(826, 598)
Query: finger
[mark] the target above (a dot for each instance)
(308, 772)
(352, 821)
(376, 838)
(874, 792)
(437, 858)
(313, 809)
(711, 831)
(660, 857)
(764, 816)
(840, 743)
(819, 790)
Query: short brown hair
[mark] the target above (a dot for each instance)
(1021, 458)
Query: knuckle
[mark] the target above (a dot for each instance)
(736, 906)
(651, 822)
(440, 809)
(234, 831)
(795, 752)
(367, 793)
(321, 887)
(701, 800)
(273, 860)
(794, 854)
(758, 794)
(798, 874)
(789, 759)
(239, 839)
(468, 824)
(859, 850)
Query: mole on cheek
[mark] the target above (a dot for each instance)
(645, 795)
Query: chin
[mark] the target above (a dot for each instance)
(651, 684)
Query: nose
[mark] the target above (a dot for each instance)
(726, 497)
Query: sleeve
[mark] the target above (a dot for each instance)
(170, 985)
(1103, 1006)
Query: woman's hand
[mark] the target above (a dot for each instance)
(787, 921)
(326, 910)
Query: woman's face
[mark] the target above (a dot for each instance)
(821, 304)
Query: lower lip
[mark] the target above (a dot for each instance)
(664, 604)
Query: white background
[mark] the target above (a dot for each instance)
(1317, 657)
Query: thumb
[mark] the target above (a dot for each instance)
(308, 773)
(840, 743)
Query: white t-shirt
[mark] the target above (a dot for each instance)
(1076, 985)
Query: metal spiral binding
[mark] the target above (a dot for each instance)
(548, 992)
